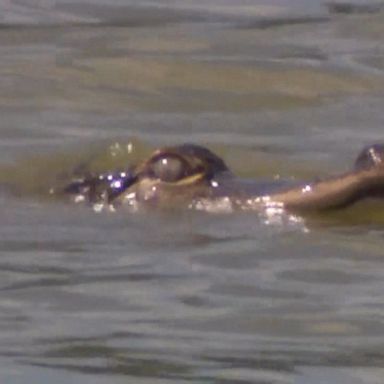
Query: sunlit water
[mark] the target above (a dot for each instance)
(188, 297)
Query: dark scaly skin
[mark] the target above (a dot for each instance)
(103, 188)
(190, 176)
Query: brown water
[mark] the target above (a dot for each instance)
(111, 298)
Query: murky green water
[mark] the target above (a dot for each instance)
(97, 298)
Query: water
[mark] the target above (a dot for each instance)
(276, 89)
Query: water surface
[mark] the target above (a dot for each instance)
(274, 89)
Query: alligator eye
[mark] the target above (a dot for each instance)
(169, 168)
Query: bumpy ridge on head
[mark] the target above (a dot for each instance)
(370, 156)
(206, 155)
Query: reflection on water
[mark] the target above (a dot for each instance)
(187, 297)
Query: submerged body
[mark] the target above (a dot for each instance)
(192, 177)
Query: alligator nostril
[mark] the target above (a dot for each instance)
(102, 187)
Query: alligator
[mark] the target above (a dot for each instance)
(190, 176)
